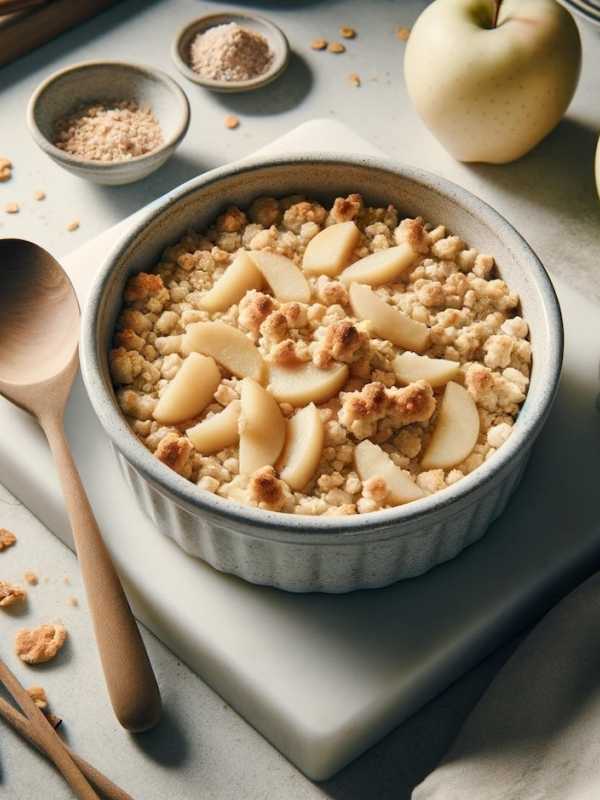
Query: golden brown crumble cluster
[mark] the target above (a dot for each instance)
(449, 296)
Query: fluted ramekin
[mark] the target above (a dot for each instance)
(328, 554)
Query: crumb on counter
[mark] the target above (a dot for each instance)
(39, 697)
(73, 225)
(7, 539)
(319, 44)
(402, 33)
(72, 601)
(38, 645)
(11, 594)
(336, 47)
(39, 195)
(354, 79)
(31, 578)
(12, 208)
(347, 32)
(5, 169)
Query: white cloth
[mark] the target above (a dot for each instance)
(535, 733)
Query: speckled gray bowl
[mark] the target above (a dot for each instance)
(278, 43)
(90, 81)
(326, 554)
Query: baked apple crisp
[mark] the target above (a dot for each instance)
(321, 360)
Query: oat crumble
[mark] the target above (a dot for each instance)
(11, 594)
(38, 645)
(462, 319)
(7, 539)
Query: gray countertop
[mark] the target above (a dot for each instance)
(203, 749)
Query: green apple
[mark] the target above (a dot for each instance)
(491, 78)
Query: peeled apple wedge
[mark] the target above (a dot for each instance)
(239, 277)
(456, 429)
(410, 367)
(227, 345)
(300, 386)
(330, 250)
(372, 462)
(388, 322)
(283, 276)
(218, 432)
(261, 428)
(380, 267)
(303, 447)
(190, 391)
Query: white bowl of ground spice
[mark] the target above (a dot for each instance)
(231, 52)
(109, 122)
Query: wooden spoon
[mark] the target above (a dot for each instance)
(39, 333)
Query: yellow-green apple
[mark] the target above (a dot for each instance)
(491, 78)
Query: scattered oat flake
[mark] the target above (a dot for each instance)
(73, 225)
(7, 538)
(5, 169)
(318, 44)
(38, 645)
(31, 578)
(39, 195)
(12, 208)
(231, 122)
(73, 601)
(336, 47)
(38, 695)
(402, 33)
(11, 594)
(347, 33)
(354, 79)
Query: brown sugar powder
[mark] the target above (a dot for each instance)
(117, 131)
(230, 53)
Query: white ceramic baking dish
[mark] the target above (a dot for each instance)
(329, 554)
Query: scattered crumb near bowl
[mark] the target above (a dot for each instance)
(39, 195)
(336, 47)
(232, 122)
(109, 132)
(12, 208)
(319, 44)
(402, 33)
(347, 33)
(5, 169)
(73, 225)
(31, 578)
(7, 539)
(230, 53)
(354, 79)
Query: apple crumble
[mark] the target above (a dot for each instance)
(316, 359)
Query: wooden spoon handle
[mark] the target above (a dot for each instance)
(128, 673)
(48, 737)
(22, 725)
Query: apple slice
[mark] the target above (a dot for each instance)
(190, 391)
(218, 432)
(372, 462)
(409, 367)
(456, 429)
(303, 447)
(330, 250)
(239, 277)
(306, 384)
(283, 276)
(227, 345)
(386, 321)
(261, 427)
(380, 267)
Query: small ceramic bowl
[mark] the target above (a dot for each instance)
(91, 81)
(278, 43)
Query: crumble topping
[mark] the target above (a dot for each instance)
(11, 594)
(7, 539)
(474, 335)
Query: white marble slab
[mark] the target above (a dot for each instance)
(324, 677)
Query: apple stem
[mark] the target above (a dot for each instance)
(497, 4)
